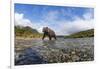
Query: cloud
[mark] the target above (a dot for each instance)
(66, 27)
(61, 27)
(89, 14)
(20, 20)
(75, 26)
(50, 16)
(79, 24)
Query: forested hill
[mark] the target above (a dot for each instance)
(82, 34)
(27, 31)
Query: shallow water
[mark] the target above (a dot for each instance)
(37, 51)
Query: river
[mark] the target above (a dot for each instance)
(37, 51)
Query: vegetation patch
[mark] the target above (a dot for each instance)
(82, 34)
(26, 32)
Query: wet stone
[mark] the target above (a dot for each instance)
(59, 51)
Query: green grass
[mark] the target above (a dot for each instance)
(27, 32)
(82, 34)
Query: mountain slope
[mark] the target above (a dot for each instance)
(82, 34)
(27, 31)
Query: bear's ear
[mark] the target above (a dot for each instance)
(46, 27)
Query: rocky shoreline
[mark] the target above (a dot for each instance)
(50, 53)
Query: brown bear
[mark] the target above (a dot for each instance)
(48, 32)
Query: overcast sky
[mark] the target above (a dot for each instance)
(63, 20)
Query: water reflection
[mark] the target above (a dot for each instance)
(49, 43)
